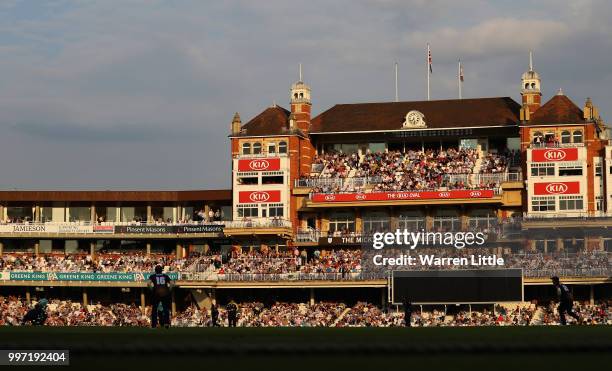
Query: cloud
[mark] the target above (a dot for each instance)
(166, 77)
(493, 37)
(68, 132)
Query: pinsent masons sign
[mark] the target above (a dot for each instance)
(259, 164)
(169, 229)
(144, 229)
(200, 228)
(556, 188)
(398, 196)
(554, 154)
(250, 197)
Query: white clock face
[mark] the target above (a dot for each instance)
(414, 119)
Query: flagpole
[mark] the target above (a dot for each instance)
(428, 67)
(396, 88)
(459, 77)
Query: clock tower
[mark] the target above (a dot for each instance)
(531, 92)
(300, 104)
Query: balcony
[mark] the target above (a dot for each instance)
(599, 219)
(248, 227)
(85, 229)
(363, 182)
(260, 155)
(555, 145)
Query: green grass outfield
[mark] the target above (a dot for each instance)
(497, 348)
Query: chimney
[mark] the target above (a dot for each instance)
(236, 124)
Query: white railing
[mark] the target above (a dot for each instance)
(360, 182)
(480, 178)
(308, 235)
(567, 272)
(261, 155)
(555, 145)
(569, 215)
(132, 223)
(258, 223)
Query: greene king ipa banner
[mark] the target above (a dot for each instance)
(82, 276)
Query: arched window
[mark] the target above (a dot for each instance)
(246, 148)
(578, 136)
(301, 95)
(527, 86)
(282, 147)
(566, 137)
(295, 95)
(271, 147)
(533, 85)
(256, 148)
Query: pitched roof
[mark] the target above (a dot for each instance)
(558, 110)
(272, 121)
(500, 111)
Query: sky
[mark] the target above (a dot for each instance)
(139, 94)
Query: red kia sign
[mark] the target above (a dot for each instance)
(398, 196)
(556, 188)
(259, 164)
(554, 154)
(259, 197)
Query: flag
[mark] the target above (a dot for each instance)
(460, 71)
(429, 59)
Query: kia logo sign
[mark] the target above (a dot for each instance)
(259, 196)
(360, 197)
(475, 194)
(555, 155)
(556, 188)
(443, 194)
(259, 164)
(330, 197)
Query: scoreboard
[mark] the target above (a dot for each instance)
(456, 286)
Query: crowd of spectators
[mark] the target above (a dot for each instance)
(268, 263)
(283, 314)
(107, 262)
(410, 170)
(68, 313)
(590, 314)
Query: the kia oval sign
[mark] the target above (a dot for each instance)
(556, 188)
(554, 154)
(399, 196)
(254, 197)
(259, 164)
